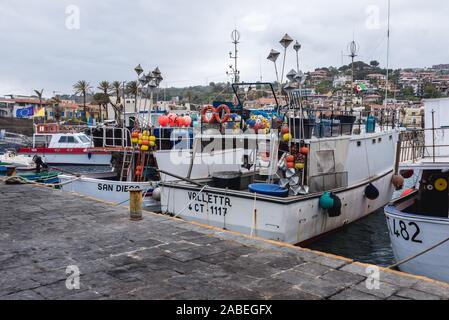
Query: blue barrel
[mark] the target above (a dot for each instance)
(370, 124)
(268, 189)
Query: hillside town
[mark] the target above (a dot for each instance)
(324, 88)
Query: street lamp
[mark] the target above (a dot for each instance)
(273, 56)
(285, 42)
(297, 47)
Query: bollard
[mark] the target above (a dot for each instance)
(135, 205)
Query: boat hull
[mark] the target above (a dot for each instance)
(294, 221)
(69, 156)
(411, 235)
(116, 192)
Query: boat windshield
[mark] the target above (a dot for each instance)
(84, 139)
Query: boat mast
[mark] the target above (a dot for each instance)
(388, 54)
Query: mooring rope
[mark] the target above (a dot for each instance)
(417, 255)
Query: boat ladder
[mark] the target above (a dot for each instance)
(126, 165)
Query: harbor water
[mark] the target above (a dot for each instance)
(366, 240)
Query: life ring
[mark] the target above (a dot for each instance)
(227, 115)
(205, 110)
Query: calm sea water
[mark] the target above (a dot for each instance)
(366, 240)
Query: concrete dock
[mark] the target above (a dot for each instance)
(44, 231)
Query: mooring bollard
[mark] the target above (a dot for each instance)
(135, 205)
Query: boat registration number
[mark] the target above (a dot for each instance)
(407, 231)
(209, 203)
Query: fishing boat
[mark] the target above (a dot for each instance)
(290, 176)
(419, 220)
(58, 146)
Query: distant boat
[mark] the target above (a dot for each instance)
(59, 147)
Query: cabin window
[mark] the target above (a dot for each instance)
(72, 140)
(359, 143)
(68, 140)
(84, 139)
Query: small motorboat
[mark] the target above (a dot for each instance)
(21, 162)
(46, 177)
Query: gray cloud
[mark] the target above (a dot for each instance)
(190, 40)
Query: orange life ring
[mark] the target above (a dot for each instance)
(205, 110)
(225, 117)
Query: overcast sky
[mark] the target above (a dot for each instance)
(42, 46)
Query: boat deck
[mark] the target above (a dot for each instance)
(165, 258)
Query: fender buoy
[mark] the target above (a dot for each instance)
(371, 192)
(226, 116)
(335, 211)
(398, 182)
(326, 201)
(205, 110)
(331, 203)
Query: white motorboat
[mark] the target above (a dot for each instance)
(55, 146)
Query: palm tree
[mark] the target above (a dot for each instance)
(106, 88)
(82, 87)
(117, 106)
(132, 88)
(39, 95)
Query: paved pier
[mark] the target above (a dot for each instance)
(43, 231)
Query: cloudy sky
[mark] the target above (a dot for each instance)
(46, 44)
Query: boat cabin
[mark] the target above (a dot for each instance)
(61, 140)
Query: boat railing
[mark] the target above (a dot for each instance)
(15, 138)
(110, 137)
(418, 144)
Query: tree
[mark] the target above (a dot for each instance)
(82, 87)
(105, 88)
(117, 106)
(188, 95)
(39, 95)
(324, 87)
(132, 88)
(430, 91)
(374, 64)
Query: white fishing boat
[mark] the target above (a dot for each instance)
(330, 173)
(55, 146)
(116, 192)
(419, 220)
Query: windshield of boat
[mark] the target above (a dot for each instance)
(84, 139)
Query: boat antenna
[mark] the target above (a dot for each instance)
(235, 36)
(388, 54)
(353, 49)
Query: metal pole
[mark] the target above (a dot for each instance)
(433, 134)
(388, 53)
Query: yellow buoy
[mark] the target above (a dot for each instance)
(287, 137)
(440, 184)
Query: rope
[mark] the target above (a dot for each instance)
(417, 255)
(194, 199)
